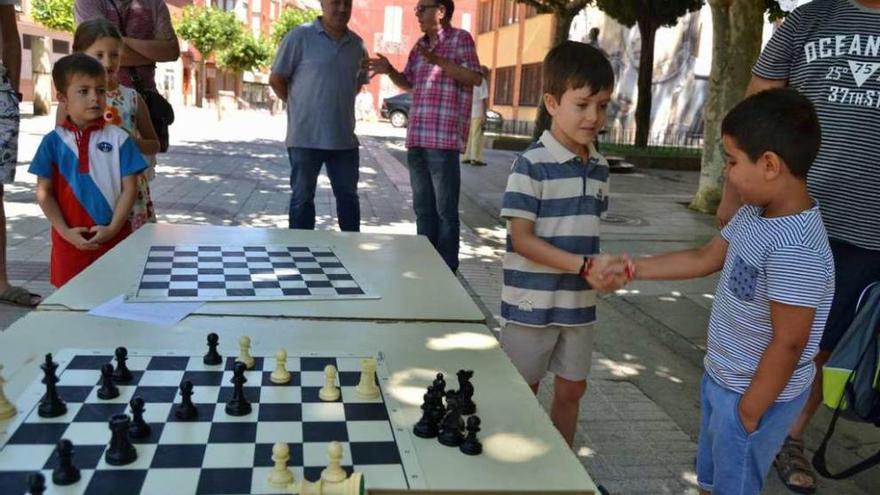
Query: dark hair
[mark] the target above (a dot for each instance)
(574, 65)
(75, 64)
(779, 120)
(449, 5)
(91, 31)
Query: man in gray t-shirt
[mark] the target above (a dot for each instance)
(318, 71)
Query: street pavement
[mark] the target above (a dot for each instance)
(640, 416)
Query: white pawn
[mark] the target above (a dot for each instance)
(329, 392)
(367, 388)
(280, 376)
(244, 352)
(281, 475)
(334, 473)
(7, 410)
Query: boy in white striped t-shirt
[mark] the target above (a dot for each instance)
(773, 298)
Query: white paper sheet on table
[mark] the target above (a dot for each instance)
(166, 314)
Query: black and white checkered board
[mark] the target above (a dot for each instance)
(216, 453)
(244, 273)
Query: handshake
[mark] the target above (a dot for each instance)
(607, 273)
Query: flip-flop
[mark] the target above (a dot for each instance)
(791, 461)
(19, 296)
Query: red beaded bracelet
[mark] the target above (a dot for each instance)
(585, 267)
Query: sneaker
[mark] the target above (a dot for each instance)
(478, 163)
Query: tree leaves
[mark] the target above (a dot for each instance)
(54, 14)
(289, 19)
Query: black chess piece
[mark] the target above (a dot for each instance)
(213, 357)
(139, 428)
(437, 409)
(466, 392)
(426, 427)
(108, 389)
(51, 405)
(122, 374)
(450, 428)
(186, 410)
(238, 405)
(471, 445)
(66, 473)
(121, 451)
(439, 384)
(36, 483)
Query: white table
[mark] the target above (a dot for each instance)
(405, 271)
(522, 450)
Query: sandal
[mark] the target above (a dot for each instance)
(19, 296)
(794, 468)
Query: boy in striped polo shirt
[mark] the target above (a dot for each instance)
(773, 298)
(556, 192)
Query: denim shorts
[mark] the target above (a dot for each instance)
(729, 460)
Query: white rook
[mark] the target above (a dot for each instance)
(367, 388)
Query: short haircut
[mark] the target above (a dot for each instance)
(779, 120)
(574, 65)
(91, 31)
(449, 5)
(75, 64)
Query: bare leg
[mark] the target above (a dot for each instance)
(4, 278)
(813, 402)
(534, 387)
(566, 404)
(704, 492)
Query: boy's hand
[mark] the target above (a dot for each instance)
(750, 424)
(608, 273)
(80, 238)
(102, 234)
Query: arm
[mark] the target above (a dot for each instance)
(691, 263)
(461, 74)
(145, 52)
(50, 208)
(279, 85)
(148, 142)
(791, 332)
(381, 65)
(104, 233)
(11, 45)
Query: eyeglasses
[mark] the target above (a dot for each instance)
(421, 9)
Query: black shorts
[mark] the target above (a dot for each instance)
(854, 269)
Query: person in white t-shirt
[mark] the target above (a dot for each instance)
(473, 154)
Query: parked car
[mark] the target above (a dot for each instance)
(396, 110)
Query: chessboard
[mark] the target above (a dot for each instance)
(214, 453)
(244, 273)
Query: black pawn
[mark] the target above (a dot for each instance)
(466, 392)
(36, 483)
(139, 428)
(213, 357)
(238, 405)
(121, 451)
(66, 473)
(51, 405)
(437, 409)
(450, 429)
(471, 445)
(427, 426)
(108, 389)
(122, 374)
(440, 384)
(186, 410)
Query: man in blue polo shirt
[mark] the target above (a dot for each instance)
(318, 71)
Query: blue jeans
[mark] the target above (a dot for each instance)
(435, 176)
(342, 169)
(729, 460)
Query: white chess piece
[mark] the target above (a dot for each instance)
(329, 392)
(244, 352)
(280, 375)
(281, 475)
(7, 410)
(334, 473)
(367, 388)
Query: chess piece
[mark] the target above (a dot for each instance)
(439, 384)
(466, 392)
(353, 485)
(36, 483)
(329, 392)
(7, 410)
(213, 358)
(334, 473)
(450, 428)
(121, 451)
(108, 389)
(122, 374)
(426, 427)
(471, 445)
(244, 352)
(186, 410)
(51, 405)
(66, 473)
(280, 376)
(139, 428)
(281, 475)
(238, 405)
(367, 388)
(436, 408)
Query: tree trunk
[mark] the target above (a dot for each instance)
(41, 74)
(200, 85)
(647, 30)
(736, 43)
(563, 19)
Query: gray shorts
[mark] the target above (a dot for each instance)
(566, 352)
(9, 121)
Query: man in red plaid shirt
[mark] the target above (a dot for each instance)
(441, 72)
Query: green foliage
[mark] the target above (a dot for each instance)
(657, 12)
(289, 19)
(246, 53)
(208, 28)
(54, 14)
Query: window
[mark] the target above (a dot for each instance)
(466, 21)
(509, 12)
(26, 41)
(530, 85)
(486, 9)
(393, 24)
(60, 46)
(504, 86)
